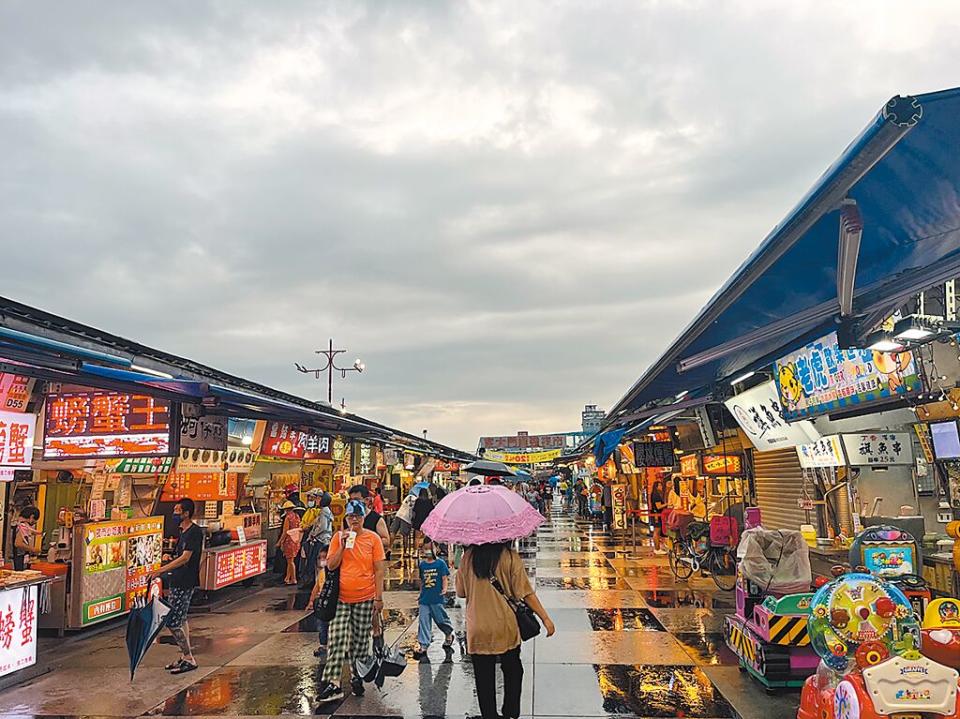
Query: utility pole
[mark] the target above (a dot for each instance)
(330, 367)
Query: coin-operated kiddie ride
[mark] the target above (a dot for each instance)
(768, 632)
(867, 636)
(893, 555)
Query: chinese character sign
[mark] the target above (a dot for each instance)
(16, 439)
(822, 378)
(18, 629)
(760, 415)
(825, 452)
(105, 424)
(206, 432)
(364, 459)
(879, 449)
(15, 392)
(284, 441)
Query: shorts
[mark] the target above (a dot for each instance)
(179, 600)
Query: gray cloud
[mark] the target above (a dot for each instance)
(508, 209)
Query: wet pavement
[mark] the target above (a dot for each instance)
(630, 642)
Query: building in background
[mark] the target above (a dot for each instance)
(591, 419)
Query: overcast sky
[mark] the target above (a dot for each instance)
(507, 209)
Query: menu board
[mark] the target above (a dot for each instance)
(234, 565)
(200, 486)
(116, 557)
(18, 629)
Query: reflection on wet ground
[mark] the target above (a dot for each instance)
(672, 598)
(660, 691)
(393, 618)
(708, 648)
(591, 583)
(627, 619)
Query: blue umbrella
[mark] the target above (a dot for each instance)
(143, 625)
(418, 487)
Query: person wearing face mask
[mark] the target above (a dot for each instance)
(184, 573)
(434, 580)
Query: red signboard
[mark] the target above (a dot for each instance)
(200, 486)
(444, 465)
(15, 392)
(97, 423)
(234, 565)
(281, 441)
(689, 465)
(722, 465)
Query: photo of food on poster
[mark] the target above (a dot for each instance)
(105, 548)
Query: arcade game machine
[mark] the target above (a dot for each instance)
(893, 555)
(866, 634)
(768, 631)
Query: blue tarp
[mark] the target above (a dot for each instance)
(606, 444)
(903, 171)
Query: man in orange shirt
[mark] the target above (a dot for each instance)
(358, 554)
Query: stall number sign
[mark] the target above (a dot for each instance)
(15, 392)
(879, 450)
(16, 439)
(18, 629)
(235, 565)
(95, 424)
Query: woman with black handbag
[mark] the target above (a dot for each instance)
(501, 612)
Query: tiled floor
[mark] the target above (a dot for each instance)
(631, 642)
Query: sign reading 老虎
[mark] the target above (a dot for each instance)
(822, 378)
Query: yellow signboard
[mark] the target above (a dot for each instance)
(524, 457)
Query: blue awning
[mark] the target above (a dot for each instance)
(903, 174)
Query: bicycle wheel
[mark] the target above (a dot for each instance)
(723, 568)
(681, 560)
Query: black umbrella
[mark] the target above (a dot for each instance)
(489, 469)
(143, 625)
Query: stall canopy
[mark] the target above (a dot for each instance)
(880, 225)
(48, 347)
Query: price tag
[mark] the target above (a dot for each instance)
(241, 535)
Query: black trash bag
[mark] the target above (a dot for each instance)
(325, 605)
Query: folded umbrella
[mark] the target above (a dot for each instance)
(143, 625)
(489, 469)
(482, 514)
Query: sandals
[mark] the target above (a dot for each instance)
(173, 665)
(183, 667)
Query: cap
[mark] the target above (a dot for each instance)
(355, 506)
(288, 505)
(315, 492)
(291, 488)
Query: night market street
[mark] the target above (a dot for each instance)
(630, 642)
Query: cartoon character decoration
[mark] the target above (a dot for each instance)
(892, 366)
(856, 611)
(941, 632)
(791, 389)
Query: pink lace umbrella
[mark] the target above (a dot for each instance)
(482, 514)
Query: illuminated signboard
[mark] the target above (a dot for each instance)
(722, 465)
(15, 392)
(97, 423)
(689, 465)
(282, 441)
(16, 439)
(235, 565)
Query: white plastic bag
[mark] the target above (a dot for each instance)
(776, 560)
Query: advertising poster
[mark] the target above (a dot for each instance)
(15, 391)
(524, 457)
(105, 547)
(101, 424)
(822, 378)
(18, 629)
(144, 552)
(200, 486)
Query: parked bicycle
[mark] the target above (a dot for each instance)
(692, 550)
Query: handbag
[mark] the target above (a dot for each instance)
(325, 605)
(527, 621)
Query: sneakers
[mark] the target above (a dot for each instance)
(329, 693)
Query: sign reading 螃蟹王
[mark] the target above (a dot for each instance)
(96, 423)
(523, 457)
(759, 414)
(822, 378)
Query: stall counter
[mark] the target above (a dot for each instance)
(231, 563)
(20, 603)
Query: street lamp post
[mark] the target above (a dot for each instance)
(330, 367)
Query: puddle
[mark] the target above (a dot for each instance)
(675, 598)
(618, 620)
(708, 648)
(660, 691)
(394, 618)
(588, 583)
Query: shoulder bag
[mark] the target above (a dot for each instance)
(527, 621)
(325, 605)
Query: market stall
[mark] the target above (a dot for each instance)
(23, 596)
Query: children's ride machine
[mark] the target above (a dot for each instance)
(768, 632)
(893, 555)
(867, 636)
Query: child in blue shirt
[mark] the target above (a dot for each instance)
(434, 577)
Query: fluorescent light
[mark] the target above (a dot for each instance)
(246, 440)
(742, 378)
(915, 333)
(886, 345)
(683, 394)
(147, 370)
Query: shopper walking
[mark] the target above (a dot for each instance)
(434, 579)
(492, 632)
(184, 577)
(290, 540)
(358, 554)
(421, 510)
(657, 504)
